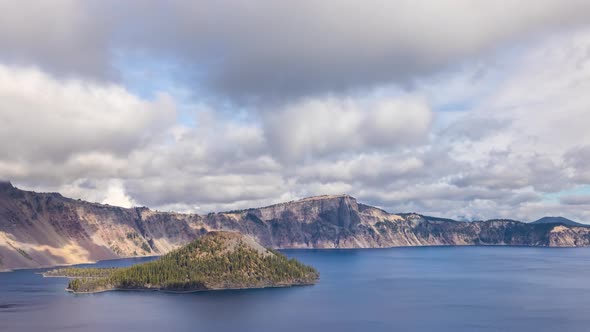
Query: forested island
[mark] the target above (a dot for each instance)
(218, 260)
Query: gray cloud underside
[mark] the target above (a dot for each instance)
(261, 51)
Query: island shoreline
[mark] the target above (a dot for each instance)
(306, 249)
(178, 292)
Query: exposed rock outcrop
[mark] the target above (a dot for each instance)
(46, 229)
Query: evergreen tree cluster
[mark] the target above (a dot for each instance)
(207, 263)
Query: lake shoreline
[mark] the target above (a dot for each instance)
(181, 292)
(311, 249)
(45, 275)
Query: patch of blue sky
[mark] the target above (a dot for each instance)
(144, 75)
(147, 76)
(577, 191)
(472, 86)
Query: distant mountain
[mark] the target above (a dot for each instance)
(416, 216)
(558, 220)
(47, 229)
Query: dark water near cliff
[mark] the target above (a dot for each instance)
(402, 289)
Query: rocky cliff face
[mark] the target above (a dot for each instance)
(46, 229)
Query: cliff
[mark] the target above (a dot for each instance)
(47, 229)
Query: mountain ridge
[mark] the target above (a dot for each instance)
(558, 220)
(48, 229)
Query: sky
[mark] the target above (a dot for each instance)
(467, 109)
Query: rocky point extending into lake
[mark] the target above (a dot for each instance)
(218, 260)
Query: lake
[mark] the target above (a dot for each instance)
(398, 289)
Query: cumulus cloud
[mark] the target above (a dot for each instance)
(539, 118)
(71, 127)
(575, 200)
(511, 170)
(320, 127)
(218, 162)
(428, 108)
(107, 191)
(577, 159)
(375, 168)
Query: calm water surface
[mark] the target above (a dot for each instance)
(401, 289)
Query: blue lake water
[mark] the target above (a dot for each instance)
(399, 289)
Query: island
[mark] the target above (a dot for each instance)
(218, 260)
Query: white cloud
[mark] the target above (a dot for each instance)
(318, 127)
(575, 200)
(115, 195)
(367, 168)
(517, 133)
(106, 191)
(72, 127)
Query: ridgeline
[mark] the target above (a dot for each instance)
(48, 229)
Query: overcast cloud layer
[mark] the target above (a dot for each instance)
(465, 109)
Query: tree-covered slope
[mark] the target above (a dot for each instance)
(558, 220)
(218, 260)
